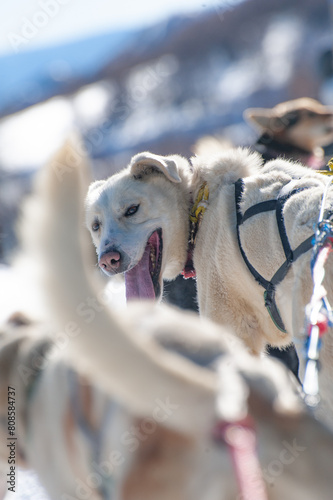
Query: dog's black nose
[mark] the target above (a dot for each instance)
(110, 261)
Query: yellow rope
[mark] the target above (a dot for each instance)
(330, 166)
(200, 204)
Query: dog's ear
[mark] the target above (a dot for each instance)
(271, 121)
(259, 117)
(146, 163)
(264, 120)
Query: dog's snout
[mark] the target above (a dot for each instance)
(110, 261)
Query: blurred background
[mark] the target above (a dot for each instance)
(150, 75)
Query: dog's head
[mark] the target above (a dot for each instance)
(304, 123)
(138, 220)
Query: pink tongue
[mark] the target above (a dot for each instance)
(138, 281)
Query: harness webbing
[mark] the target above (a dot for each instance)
(291, 255)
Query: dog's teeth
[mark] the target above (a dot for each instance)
(152, 257)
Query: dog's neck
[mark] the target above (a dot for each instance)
(281, 146)
(271, 148)
(196, 214)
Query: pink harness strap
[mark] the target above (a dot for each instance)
(189, 271)
(241, 440)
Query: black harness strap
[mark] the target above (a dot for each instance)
(282, 228)
(264, 206)
(238, 193)
(291, 256)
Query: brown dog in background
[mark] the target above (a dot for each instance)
(296, 129)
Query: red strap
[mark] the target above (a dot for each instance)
(322, 323)
(189, 271)
(241, 440)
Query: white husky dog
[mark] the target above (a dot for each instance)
(252, 229)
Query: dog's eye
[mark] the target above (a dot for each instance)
(131, 210)
(95, 226)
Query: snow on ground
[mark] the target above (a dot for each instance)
(27, 487)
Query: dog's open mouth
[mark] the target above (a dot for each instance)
(143, 280)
